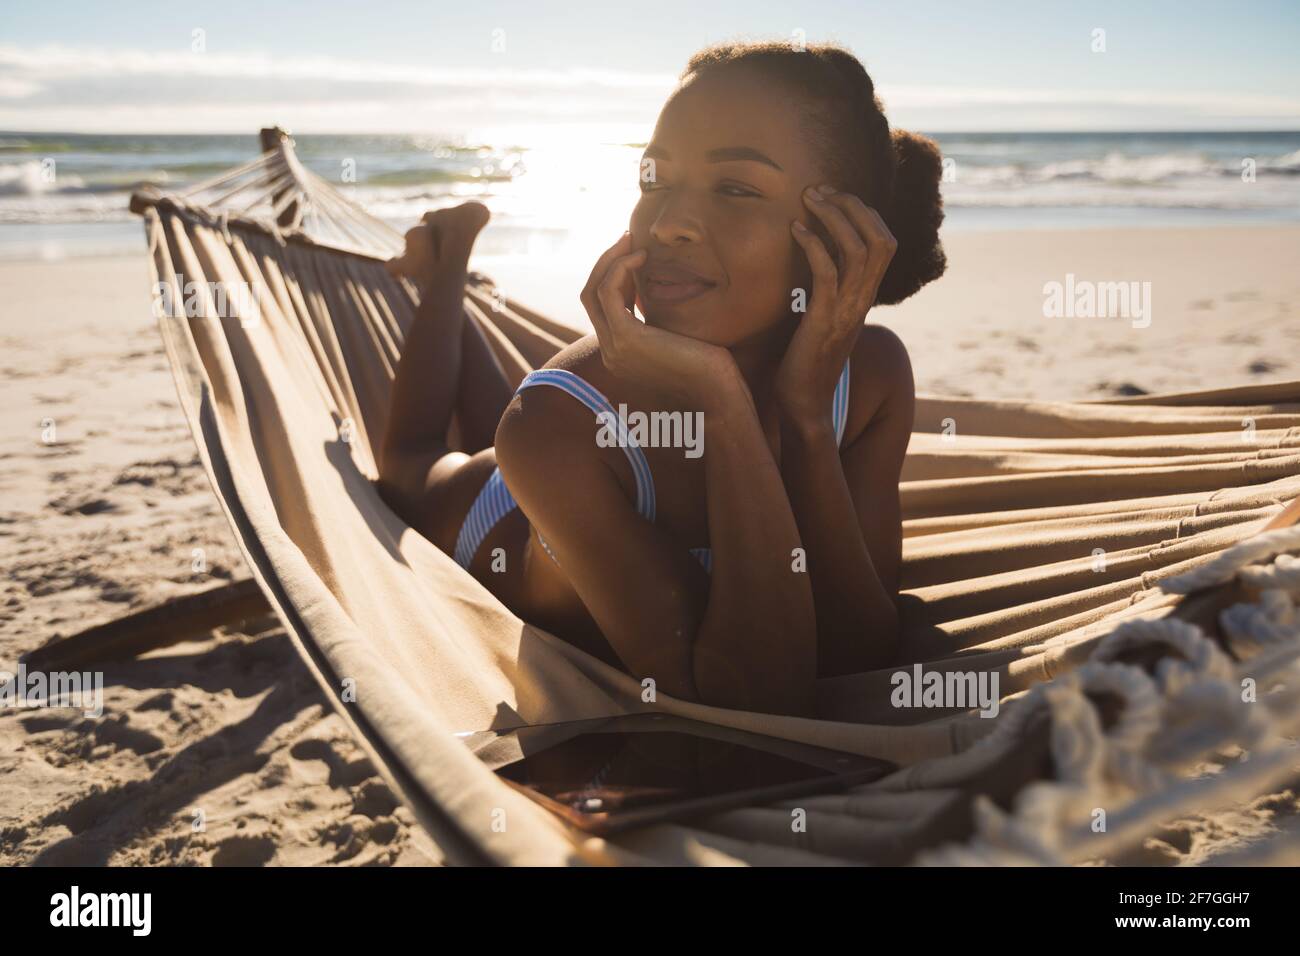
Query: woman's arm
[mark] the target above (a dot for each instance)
(846, 519)
(848, 509)
(761, 605)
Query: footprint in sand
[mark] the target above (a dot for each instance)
(165, 474)
(82, 504)
(1123, 389)
(357, 835)
(373, 799)
(245, 850)
(342, 772)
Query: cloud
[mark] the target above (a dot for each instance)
(67, 88)
(15, 88)
(88, 90)
(70, 64)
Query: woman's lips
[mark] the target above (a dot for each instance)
(672, 284)
(674, 291)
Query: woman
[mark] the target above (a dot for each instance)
(777, 207)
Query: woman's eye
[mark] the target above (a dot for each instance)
(647, 185)
(730, 189)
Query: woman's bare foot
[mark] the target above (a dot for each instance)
(455, 229)
(439, 248)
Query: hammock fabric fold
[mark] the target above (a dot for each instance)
(1031, 529)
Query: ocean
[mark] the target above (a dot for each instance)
(66, 194)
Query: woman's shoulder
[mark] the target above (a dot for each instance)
(582, 360)
(880, 379)
(541, 421)
(581, 357)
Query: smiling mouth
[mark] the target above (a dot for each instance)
(674, 288)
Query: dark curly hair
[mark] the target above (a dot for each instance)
(897, 173)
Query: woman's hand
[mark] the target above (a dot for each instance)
(842, 294)
(666, 361)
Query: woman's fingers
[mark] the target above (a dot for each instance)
(590, 292)
(880, 242)
(620, 248)
(867, 221)
(617, 288)
(853, 250)
(825, 275)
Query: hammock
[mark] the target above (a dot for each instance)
(1041, 540)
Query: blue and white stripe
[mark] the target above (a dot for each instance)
(588, 394)
(493, 503)
(840, 404)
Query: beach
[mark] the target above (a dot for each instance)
(224, 751)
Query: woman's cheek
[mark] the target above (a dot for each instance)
(761, 242)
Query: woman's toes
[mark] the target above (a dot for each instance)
(467, 220)
(454, 230)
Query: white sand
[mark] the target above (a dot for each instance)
(107, 518)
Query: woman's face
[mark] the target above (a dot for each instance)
(722, 181)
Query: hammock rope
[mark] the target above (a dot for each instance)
(278, 193)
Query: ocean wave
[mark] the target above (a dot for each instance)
(35, 178)
(1209, 195)
(1117, 169)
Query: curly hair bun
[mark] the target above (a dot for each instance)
(914, 214)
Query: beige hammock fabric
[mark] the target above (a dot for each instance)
(1032, 529)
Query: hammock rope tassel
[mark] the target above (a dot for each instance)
(1189, 708)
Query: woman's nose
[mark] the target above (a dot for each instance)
(675, 224)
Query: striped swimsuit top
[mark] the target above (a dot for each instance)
(494, 501)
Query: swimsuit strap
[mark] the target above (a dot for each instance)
(840, 404)
(588, 394)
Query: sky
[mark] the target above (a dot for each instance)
(477, 68)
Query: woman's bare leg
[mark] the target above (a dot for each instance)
(427, 385)
(484, 390)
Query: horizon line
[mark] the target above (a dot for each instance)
(926, 131)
